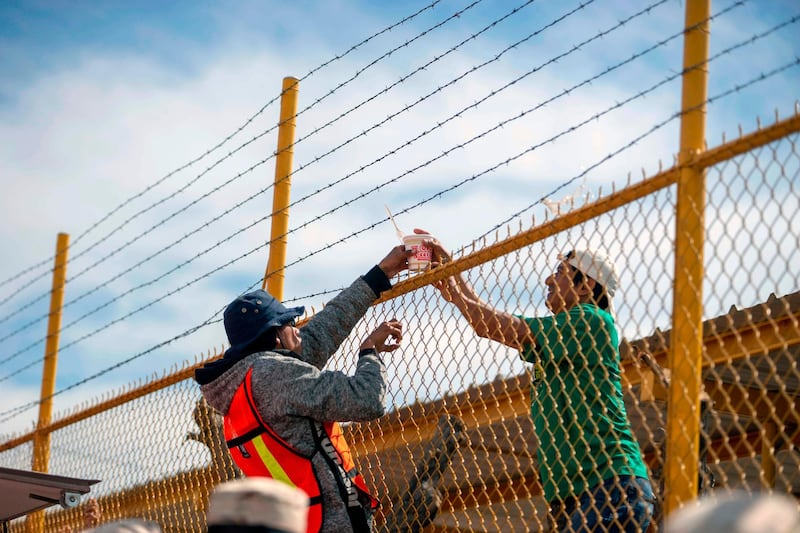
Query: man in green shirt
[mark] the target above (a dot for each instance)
(590, 464)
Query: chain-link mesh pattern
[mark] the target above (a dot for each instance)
(457, 452)
(158, 456)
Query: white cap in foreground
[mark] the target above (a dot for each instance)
(259, 501)
(737, 512)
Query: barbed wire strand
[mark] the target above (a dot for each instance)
(439, 89)
(11, 413)
(505, 162)
(423, 68)
(737, 88)
(642, 93)
(501, 124)
(253, 167)
(215, 189)
(475, 104)
(216, 147)
(250, 169)
(726, 51)
(35, 343)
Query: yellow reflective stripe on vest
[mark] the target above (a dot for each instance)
(270, 462)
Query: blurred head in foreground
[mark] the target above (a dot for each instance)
(257, 504)
(737, 512)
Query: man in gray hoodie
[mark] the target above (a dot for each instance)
(281, 409)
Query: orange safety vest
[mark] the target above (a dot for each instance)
(259, 451)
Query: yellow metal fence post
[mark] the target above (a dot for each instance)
(274, 275)
(41, 440)
(683, 415)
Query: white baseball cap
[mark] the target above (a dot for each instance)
(258, 501)
(598, 267)
(737, 512)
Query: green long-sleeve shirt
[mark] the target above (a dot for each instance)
(577, 404)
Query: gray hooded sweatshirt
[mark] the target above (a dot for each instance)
(290, 388)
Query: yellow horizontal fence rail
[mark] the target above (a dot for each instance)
(615, 200)
(155, 385)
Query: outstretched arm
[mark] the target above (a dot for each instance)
(487, 321)
(330, 395)
(325, 331)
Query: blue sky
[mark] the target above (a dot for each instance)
(99, 101)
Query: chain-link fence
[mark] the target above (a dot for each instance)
(461, 446)
(458, 450)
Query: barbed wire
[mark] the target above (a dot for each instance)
(215, 189)
(737, 88)
(11, 413)
(441, 193)
(312, 295)
(499, 125)
(263, 161)
(213, 149)
(439, 89)
(316, 160)
(422, 68)
(474, 105)
(754, 38)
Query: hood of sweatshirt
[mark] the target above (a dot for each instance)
(220, 381)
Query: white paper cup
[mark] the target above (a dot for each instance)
(422, 254)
